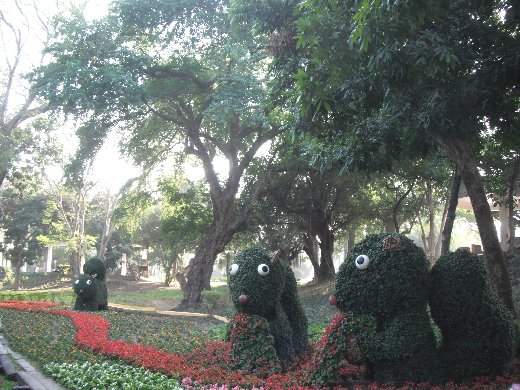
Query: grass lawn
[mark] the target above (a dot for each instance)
(49, 342)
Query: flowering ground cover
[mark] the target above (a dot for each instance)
(45, 333)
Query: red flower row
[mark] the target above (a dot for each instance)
(93, 335)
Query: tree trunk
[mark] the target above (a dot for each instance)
(17, 275)
(438, 239)
(201, 265)
(351, 240)
(431, 220)
(311, 249)
(452, 208)
(326, 269)
(389, 225)
(106, 235)
(498, 275)
(3, 175)
(511, 190)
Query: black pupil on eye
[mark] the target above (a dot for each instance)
(265, 269)
(230, 269)
(360, 260)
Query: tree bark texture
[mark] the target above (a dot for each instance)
(511, 191)
(461, 152)
(351, 240)
(326, 269)
(311, 249)
(201, 265)
(452, 208)
(17, 276)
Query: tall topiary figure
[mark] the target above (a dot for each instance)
(86, 290)
(382, 290)
(263, 287)
(96, 268)
(477, 329)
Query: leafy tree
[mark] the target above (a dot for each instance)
(102, 221)
(500, 161)
(23, 224)
(67, 214)
(392, 76)
(318, 205)
(22, 136)
(133, 204)
(182, 76)
(185, 218)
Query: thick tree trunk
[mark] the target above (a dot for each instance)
(498, 275)
(201, 265)
(450, 214)
(326, 269)
(311, 249)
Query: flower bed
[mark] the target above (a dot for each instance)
(205, 367)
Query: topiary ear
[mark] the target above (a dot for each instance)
(393, 244)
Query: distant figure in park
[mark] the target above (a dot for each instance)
(96, 268)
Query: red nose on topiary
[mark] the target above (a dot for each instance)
(242, 299)
(333, 300)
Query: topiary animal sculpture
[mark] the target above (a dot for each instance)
(86, 290)
(96, 268)
(382, 290)
(264, 287)
(477, 329)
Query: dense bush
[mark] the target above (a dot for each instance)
(477, 329)
(267, 288)
(96, 268)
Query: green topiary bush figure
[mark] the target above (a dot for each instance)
(383, 287)
(266, 288)
(478, 331)
(252, 349)
(96, 268)
(86, 290)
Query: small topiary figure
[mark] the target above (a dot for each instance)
(263, 287)
(252, 349)
(383, 287)
(477, 329)
(86, 290)
(96, 268)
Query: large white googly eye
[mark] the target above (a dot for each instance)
(89, 281)
(76, 282)
(362, 261)
(233, 269)
(263, 269)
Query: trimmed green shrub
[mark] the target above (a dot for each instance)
(266, 288)
(96, 268)
(478, 332)
(86, 290)
(386, 276)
